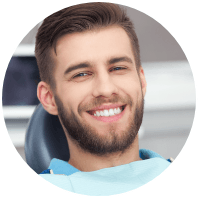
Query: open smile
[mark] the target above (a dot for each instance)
(109, 113)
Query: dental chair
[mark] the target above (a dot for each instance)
(45, 140)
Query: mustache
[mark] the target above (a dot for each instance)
(95, 102)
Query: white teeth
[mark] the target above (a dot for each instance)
(110, 112)
(97, 113)
(118, 111)
(106, 113)
(115, 111)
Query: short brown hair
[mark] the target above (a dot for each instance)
(78, 18)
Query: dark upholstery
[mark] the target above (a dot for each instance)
(45, 139)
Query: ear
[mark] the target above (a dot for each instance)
(46, 97)
(142, 80)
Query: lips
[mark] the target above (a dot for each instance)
(107, 113)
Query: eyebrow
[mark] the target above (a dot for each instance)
(119, 59)
(78, 66)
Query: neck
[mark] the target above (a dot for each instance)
(86, 162)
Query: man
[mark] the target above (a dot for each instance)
(89, 61)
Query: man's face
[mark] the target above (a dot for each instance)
(98, 89)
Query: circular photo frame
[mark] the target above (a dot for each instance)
(170, 111)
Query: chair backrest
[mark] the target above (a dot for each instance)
(45, 140)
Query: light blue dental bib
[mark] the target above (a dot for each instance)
(107, 181)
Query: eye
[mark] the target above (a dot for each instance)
(80, 75)
(117, 68)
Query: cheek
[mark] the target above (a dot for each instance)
(73, 96)
(130, 86)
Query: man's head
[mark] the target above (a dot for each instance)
(78, 18)
(100, 88)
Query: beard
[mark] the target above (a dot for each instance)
(87, 137)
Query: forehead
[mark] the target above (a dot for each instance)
(93, 46)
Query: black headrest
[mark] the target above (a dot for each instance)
(45, 140)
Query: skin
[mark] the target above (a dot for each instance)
(81, 86)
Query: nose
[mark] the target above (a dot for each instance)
(104, 86)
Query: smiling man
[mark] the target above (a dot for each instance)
(89, 62)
